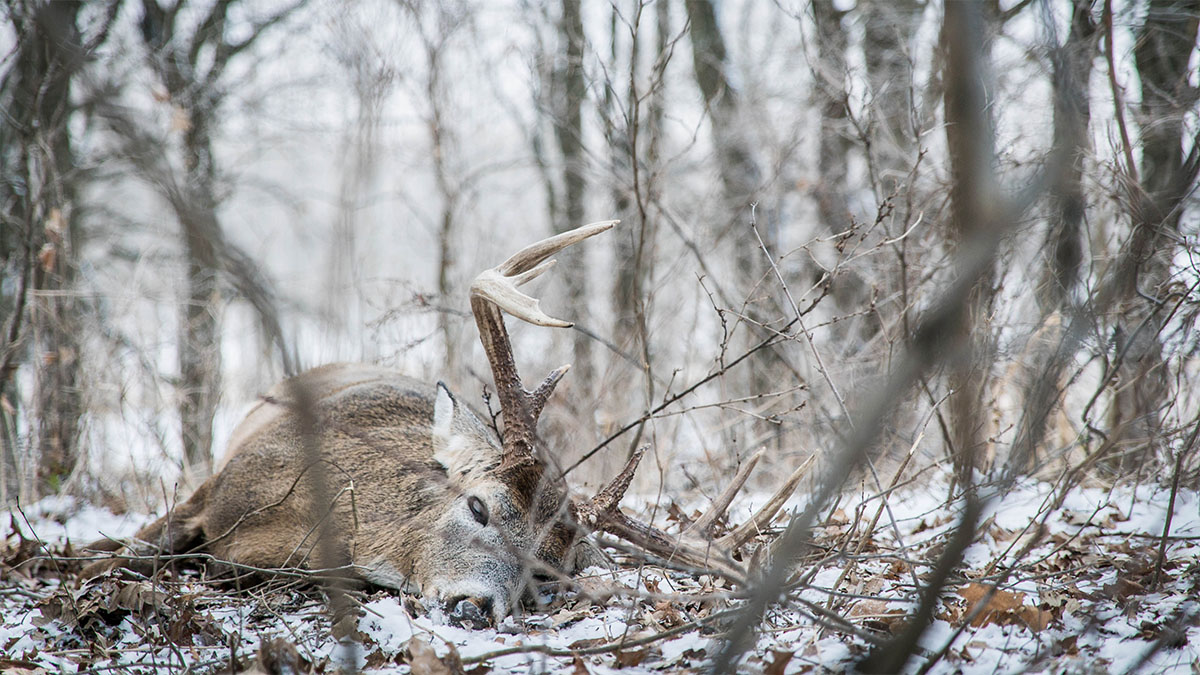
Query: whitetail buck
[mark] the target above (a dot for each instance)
(422, 494)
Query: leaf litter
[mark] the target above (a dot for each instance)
(1087, 594)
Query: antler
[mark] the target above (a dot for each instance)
(696, 548)
(494, 292)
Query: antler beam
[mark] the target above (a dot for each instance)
(493, 293)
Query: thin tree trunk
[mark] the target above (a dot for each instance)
(42, 205)
(568, 128)
(200, 330)
(889, 29)
(1072, 115)
(442, 144)
(371, 84)
(1162, 51)
(620, 139)
(834, 147)
(969, 140)
(833, 141)
(1048, 356)
(738, 170)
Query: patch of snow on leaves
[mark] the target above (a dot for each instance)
(60, 519)
(1091, 575)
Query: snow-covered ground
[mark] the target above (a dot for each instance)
(1082, 597)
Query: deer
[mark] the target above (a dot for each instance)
(422, 493)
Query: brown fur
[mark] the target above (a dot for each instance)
(399, 459)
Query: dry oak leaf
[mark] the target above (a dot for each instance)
(632, 657)
(876, 614)
(779, 661)
(1003, 608)
(423, 659)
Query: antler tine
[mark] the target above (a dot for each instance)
(705, 522)
(761, 518)
(493, 292)
(532, 255)
(607, 501)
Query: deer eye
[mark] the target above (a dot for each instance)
(478, 509)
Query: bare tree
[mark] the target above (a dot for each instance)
(620, 120)
(887, 54)
(969, 141)
(371, 76)
(438, 25)
(834, 144)
(1072, 63)
(41, 234)
(633, 114)
(189, 60)
(1165, 43)
(570, 88)
(741, 182)
(739, 172)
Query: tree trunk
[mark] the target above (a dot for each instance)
(568, 128)
(620, 139)
(200, 330)
(1164, 46)
(833, 141)
(739, 172)
(1072, 114)
(1048, 350)
(889, 28)
(40, 204)
(973, 196)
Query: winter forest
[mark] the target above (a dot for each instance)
(892, 363)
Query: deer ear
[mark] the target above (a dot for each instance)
(461, 442)
(443, 417)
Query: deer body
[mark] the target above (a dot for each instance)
(401, 460)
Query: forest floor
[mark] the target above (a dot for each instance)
(1077, 582)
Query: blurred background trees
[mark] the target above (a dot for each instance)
(200, 196)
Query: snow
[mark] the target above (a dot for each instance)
(1096, 541)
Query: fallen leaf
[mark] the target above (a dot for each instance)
(423, 660)
(278, 656)
(632, 657)
(778, 664)
(587, 643)
(1121, 589)
(1003, 608)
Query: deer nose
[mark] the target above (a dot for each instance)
(470, 612)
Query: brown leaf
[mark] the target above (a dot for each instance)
(346, 628)
(139, 597)
(1004, 608)
(1122, 588)
(778, 664)
(666, 614)
(632, 657)
(578, 667)
(277, 656)
(587, 643)
(423, 659)
(566, 616)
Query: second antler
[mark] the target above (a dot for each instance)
(697, 548)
